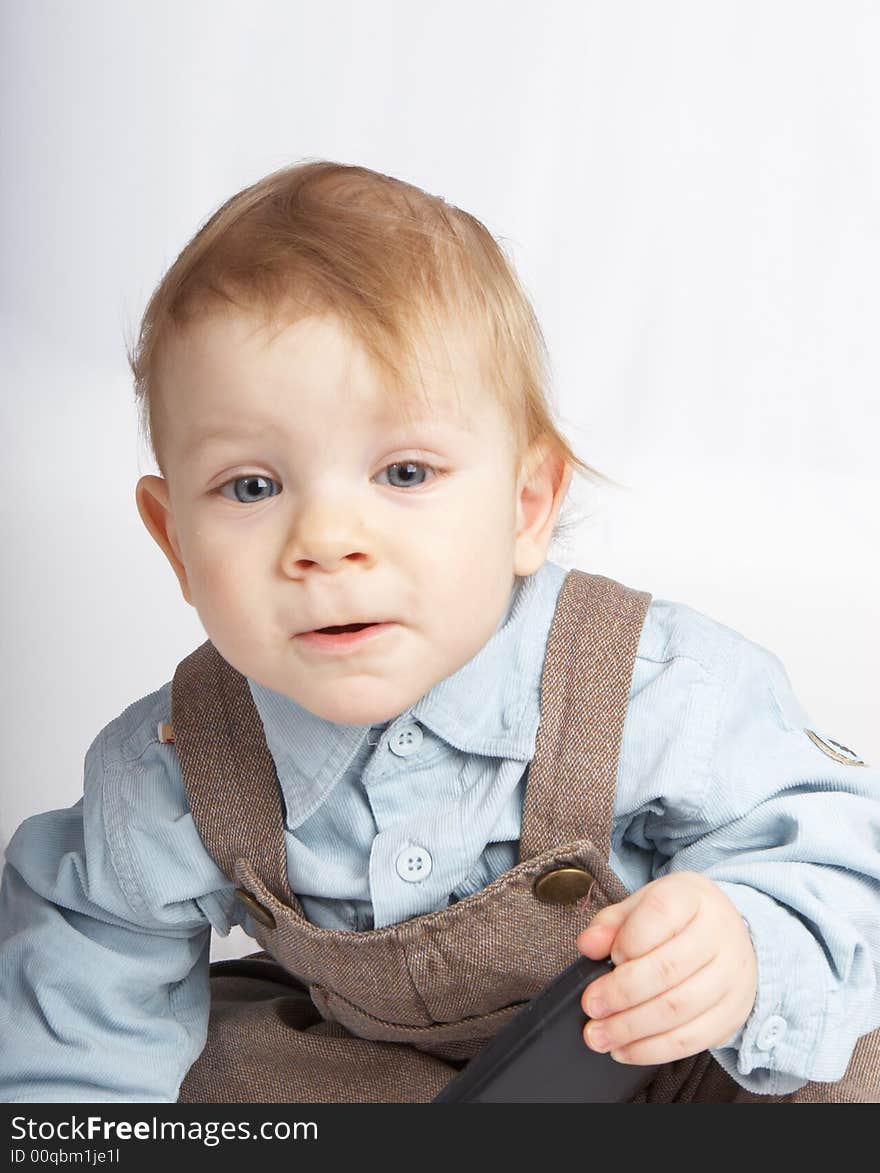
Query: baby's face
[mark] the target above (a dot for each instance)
(296, 499)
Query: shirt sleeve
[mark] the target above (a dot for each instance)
(106, 910)
(789, 833)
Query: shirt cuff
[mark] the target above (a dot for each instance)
(773, 1052)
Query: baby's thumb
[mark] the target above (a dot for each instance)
(596, 940)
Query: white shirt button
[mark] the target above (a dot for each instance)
(413, 864)
(406, 740)
(771, 1033)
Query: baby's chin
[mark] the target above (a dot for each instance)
(367, 705)
(370, 710)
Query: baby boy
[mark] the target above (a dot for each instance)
(343, 385)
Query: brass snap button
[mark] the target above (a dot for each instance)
(563, 885)
(257, 911)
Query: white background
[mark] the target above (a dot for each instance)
(689, 190)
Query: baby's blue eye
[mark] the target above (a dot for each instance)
(411, 468)
(248, 489)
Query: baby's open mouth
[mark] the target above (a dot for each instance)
(345, 627)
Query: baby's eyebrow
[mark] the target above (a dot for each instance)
(226, 434)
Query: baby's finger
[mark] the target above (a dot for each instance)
(595, 940)
(664, 911)
(669, 1012)
(709, 1029)
(643, 978)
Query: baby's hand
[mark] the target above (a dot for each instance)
(686, 973)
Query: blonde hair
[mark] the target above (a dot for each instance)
(389, 259)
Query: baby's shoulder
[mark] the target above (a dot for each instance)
(676, 631)
(136, 730)
(690, 650)
(136, 812)
(130, 771)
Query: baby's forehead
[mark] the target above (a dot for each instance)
(230, 367)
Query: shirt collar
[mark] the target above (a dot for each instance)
(490, 706)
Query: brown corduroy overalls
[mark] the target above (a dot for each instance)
(391, 1014)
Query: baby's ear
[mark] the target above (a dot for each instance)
(154, 505)
(543, 483)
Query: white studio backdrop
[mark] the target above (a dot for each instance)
(690, 193)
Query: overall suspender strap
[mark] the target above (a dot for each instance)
(588, 668)
(227, 769)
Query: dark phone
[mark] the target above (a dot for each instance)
(540, 1056)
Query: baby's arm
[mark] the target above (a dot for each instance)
(787, 835)
(104, 935)
(92, 1011)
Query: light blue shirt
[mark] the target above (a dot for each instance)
(106, 908)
